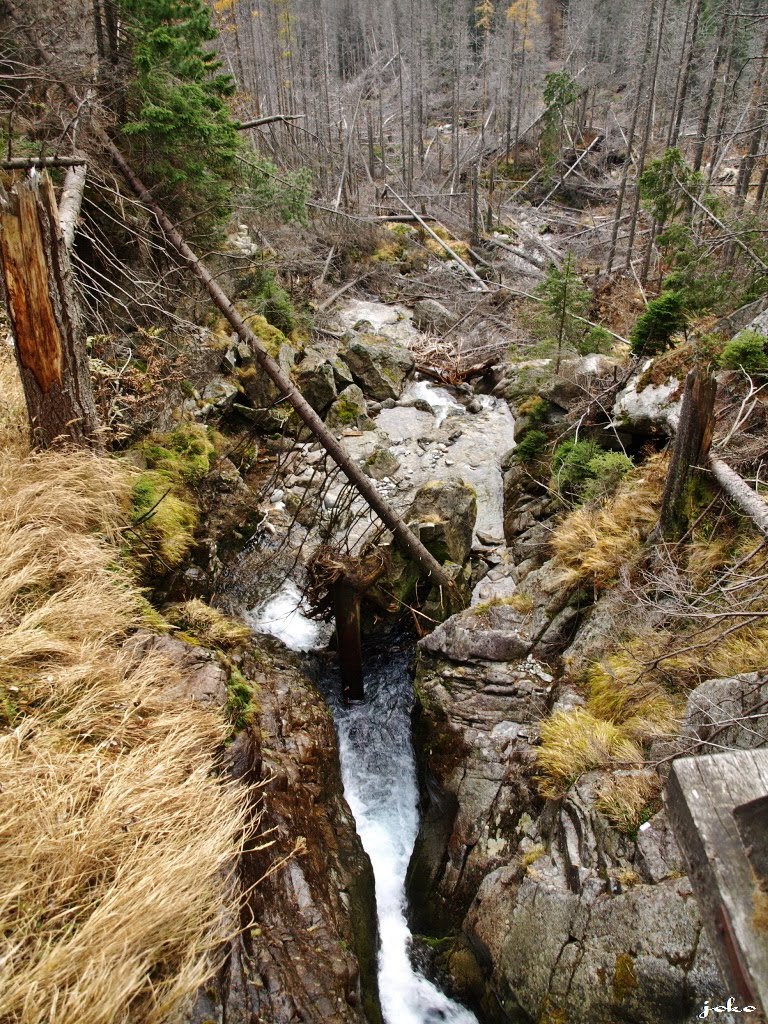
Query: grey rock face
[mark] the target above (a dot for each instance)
(309, 950)
(445, 512)
(730, 711)
(378, 365)
(431, 315)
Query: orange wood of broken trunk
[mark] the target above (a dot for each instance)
(45, 318)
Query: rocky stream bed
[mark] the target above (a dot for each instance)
(522, 909)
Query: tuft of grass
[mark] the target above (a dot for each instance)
(241, 707)
(592, 544)
(14, 423)
(574, 742)
(629, 800)
(115, 831)
(532, 855)
(620, 692)
(163, 520)
(207, 625)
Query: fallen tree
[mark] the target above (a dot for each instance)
(176, 244)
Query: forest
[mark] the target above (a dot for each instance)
(383, 519)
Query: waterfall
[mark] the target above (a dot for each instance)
(379, 775)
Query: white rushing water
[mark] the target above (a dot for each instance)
(283, 616)
(379, 774)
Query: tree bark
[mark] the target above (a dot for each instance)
(71, 201)
(694, 436)
(45, 318)
(741, 494)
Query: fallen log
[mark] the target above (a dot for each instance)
(741, 494)
(28, 163)
(257, 122)
(177, 244)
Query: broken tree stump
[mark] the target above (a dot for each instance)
(45, 317)
(694, 436)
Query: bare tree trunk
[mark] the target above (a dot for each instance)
(694, 436)
(45, 318)
(631, 139)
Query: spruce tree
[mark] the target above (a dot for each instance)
(178, 124)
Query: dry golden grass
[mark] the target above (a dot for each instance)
(14, 424)
(115, 833)
(628, 800)
(620, 693)
(574, 742)
(207, 625)
(592, 544)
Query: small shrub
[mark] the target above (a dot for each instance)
(570, 464)
(574, 742)
(532, 447)
(745, 352)
(608, 470)
(664, 317)
(272, 301)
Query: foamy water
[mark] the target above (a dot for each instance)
(379, 774)
(283, 615)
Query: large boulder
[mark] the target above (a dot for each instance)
(728, 711)
(651, 410)
(317, 383)
(431, 315)
(350, 410)
(444, 511)
(378, 365)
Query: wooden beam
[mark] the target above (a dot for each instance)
(346, 604)
(701, 797)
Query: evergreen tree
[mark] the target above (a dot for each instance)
(178, 122)
(565, 298)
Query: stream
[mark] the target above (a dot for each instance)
(379, 774)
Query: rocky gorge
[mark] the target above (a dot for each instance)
(525, 906)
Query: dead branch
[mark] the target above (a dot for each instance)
(741, 494)
(270, 119)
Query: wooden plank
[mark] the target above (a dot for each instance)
(702, 794)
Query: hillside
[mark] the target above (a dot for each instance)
(382, 508)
